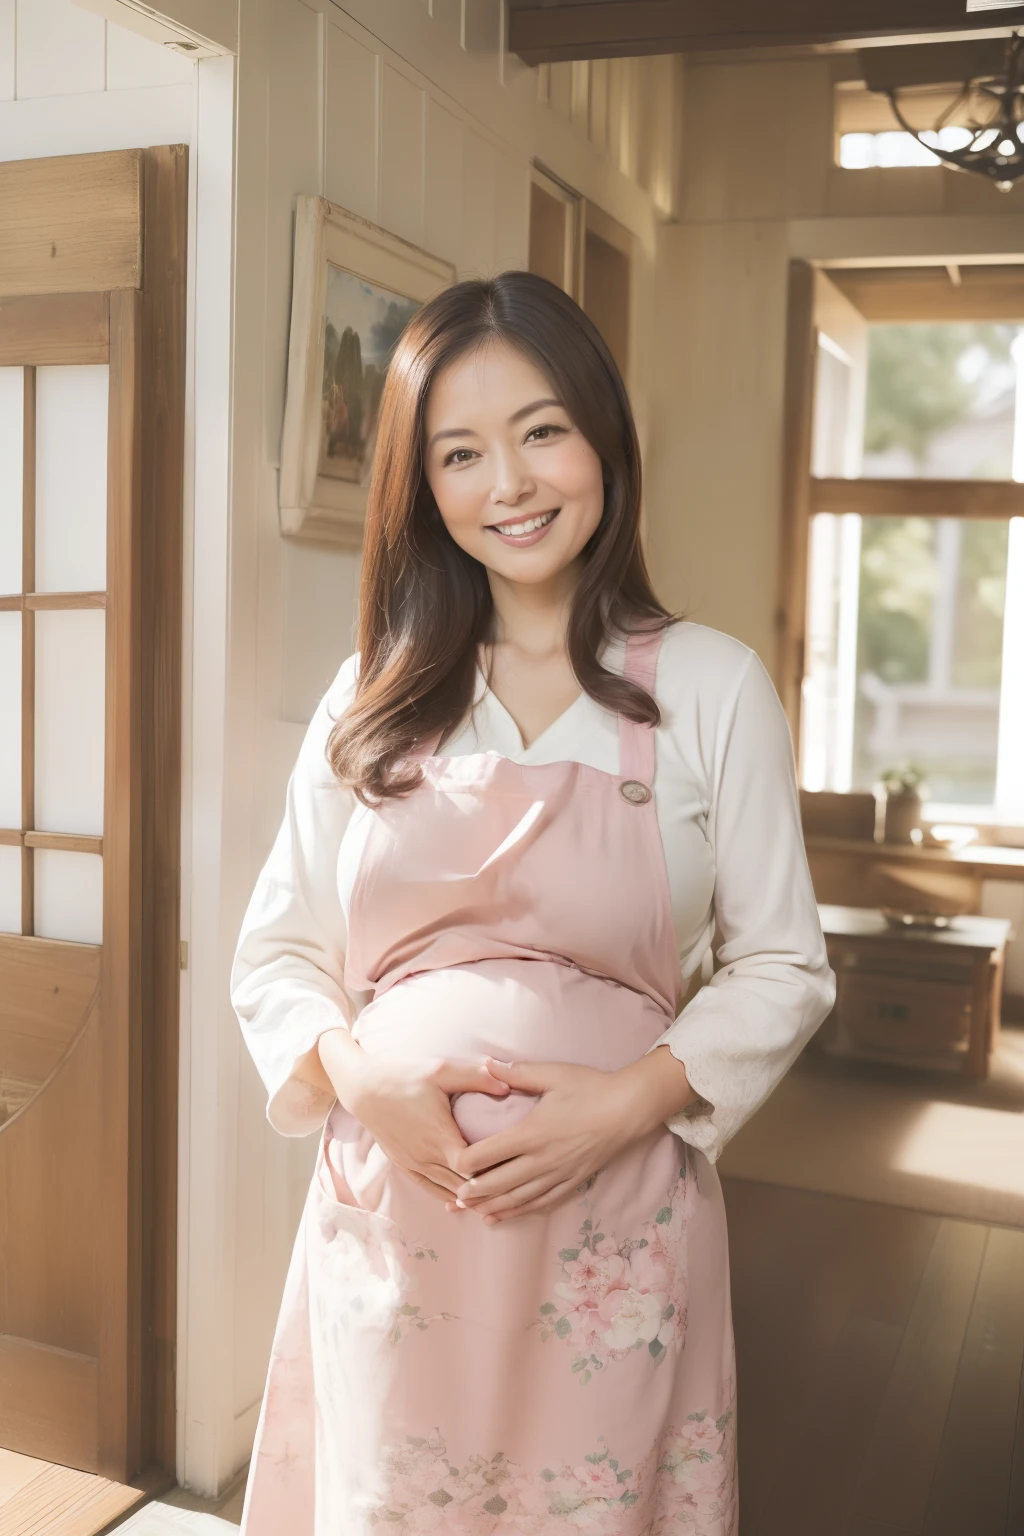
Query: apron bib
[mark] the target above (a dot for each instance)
(570, 1369)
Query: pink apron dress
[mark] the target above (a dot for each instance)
(567, 1370)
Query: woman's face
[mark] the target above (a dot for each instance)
(517, 484)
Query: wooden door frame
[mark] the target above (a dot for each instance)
(797, 425)
(120, 220)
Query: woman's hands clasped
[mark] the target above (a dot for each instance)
(405, 1104)
(582, 1118)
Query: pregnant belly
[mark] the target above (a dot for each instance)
(515, 1010)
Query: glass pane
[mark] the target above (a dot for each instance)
(12, 410)
(10, 889)
(831, 411)
(940, 401)
(69, 720)
(68, 895)
(905, 653)
(1010, 783)
(10, 720)
(829, 690)
(71, 478)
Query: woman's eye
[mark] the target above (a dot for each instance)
(458, 456)
(541, 434)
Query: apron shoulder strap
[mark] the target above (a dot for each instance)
(636, 741)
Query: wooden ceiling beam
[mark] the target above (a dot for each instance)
(550, 31)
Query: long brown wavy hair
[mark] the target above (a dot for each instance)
(425, 604)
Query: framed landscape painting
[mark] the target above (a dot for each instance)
(355, 288)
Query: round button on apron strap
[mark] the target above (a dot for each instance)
(635, 792)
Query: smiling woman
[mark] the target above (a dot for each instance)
(514, 824)
(475, 357)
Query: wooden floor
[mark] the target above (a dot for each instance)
(39, 1499)
(880, 1355)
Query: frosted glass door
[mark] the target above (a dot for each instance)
(53, 621)
(92, 401)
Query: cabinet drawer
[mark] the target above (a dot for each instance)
(900, 1018)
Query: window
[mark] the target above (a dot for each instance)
(891, 146)
(915, 640)
(867, 134)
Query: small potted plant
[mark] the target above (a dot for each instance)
(902, 785)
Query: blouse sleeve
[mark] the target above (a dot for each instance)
(742, 1031)
(287, 979)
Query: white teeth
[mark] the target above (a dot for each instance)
(531, 523)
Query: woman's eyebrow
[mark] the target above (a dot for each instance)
(535, 405)
(525, 410)
(451, 432)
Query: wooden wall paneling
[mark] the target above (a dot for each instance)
(352, 116)
(512, 220)
(163, 414)
(478, 212)
(798, 406)
(54, 328)
(443, 196)
(597, 125)
(28, 647)
(59, 50)
(71, 223)
(917, 498)
(402, 156)
(120, 1382)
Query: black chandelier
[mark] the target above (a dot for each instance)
(996, 146)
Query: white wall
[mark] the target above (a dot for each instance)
(413, 117)
(71, 82)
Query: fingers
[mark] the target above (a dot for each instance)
(517, 1141)
(514, 1200)
(437, 1190)
(540, 1203)
(457, 1076)
(443, 1176)
(497, 1181)
(533, 1076)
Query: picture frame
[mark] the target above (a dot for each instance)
(354, 288)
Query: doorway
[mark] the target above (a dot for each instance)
(92, 340)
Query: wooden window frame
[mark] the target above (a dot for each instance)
(945, 292)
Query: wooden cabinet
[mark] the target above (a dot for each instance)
(926, 998)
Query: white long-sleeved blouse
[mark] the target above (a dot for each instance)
(728, 811)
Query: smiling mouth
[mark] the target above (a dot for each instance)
(525, 530)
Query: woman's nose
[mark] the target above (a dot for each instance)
(511, 483)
